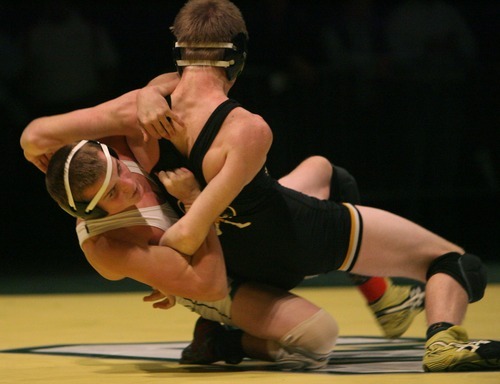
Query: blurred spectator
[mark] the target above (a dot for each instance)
(70, 62)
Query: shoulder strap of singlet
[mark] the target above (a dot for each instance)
(207, 136)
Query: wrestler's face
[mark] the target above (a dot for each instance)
(124, 190)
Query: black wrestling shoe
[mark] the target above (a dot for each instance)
(212, 343)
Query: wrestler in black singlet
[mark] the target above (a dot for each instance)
(272, 234)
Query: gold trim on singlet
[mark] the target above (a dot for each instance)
(354, 238)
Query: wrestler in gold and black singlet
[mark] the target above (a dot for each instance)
(275, 235)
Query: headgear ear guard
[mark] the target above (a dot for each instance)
(235, 54)
(88, 210)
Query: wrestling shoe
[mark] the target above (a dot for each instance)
(397, 308)
(211, 343)
(451, 350)
(301, 362)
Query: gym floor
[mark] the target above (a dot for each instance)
(82, 329)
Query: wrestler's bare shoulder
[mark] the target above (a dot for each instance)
(246, 126)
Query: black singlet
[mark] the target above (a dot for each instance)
(269, 233)
(275, 235)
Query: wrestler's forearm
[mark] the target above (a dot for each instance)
(116, 117)
(170, 79)
(208, 262)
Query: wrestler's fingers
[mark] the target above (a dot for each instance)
(166, 303)
(167, 122)
(174, 117)
(162, 175)
(40, 166)
(154, 296)
(165, 176)
(167, 130)
(145, 134)
(152, 131)
(181, 171)
(42, 162)
(160, 128)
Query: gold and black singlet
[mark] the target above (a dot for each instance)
(275, 235)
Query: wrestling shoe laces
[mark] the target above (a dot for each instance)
(451, 350)
(397, 308)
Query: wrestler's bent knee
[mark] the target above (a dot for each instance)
(309, 344)
(466, 269)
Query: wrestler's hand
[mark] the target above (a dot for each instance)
(40, 161)
(181, 184)
(161, 300)
(154, 114)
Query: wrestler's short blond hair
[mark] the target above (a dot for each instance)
(207, 21)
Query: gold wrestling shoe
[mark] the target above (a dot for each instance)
(397, 308)
(451, 350)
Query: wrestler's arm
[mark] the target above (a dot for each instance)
(166, 79)
(200, 277)
(117, 117)
(244, 154)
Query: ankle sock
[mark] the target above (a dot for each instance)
(437, 327)
(372, 288)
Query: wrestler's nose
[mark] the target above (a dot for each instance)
(127, 186)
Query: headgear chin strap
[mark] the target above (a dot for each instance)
(235, 54)
(86, 210)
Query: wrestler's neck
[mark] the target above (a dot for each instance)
(200, 91)
(203, 82)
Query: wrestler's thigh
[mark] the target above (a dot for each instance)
(311, 177)
(394, 246)
(269, 312)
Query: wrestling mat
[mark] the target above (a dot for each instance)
(116, 338)
(354, 355)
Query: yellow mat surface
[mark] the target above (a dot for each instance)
(31, 321)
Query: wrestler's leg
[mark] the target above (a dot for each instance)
(272, 325)
(396, 246)
(283, 327)
(311, 177)
(317, 177)
(289, 321)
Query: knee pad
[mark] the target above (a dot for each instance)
(343, 187)
(467, 269)
(309, 344)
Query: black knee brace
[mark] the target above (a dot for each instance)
(467, 269)
(343, 186)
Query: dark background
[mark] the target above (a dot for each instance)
(416, 124)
